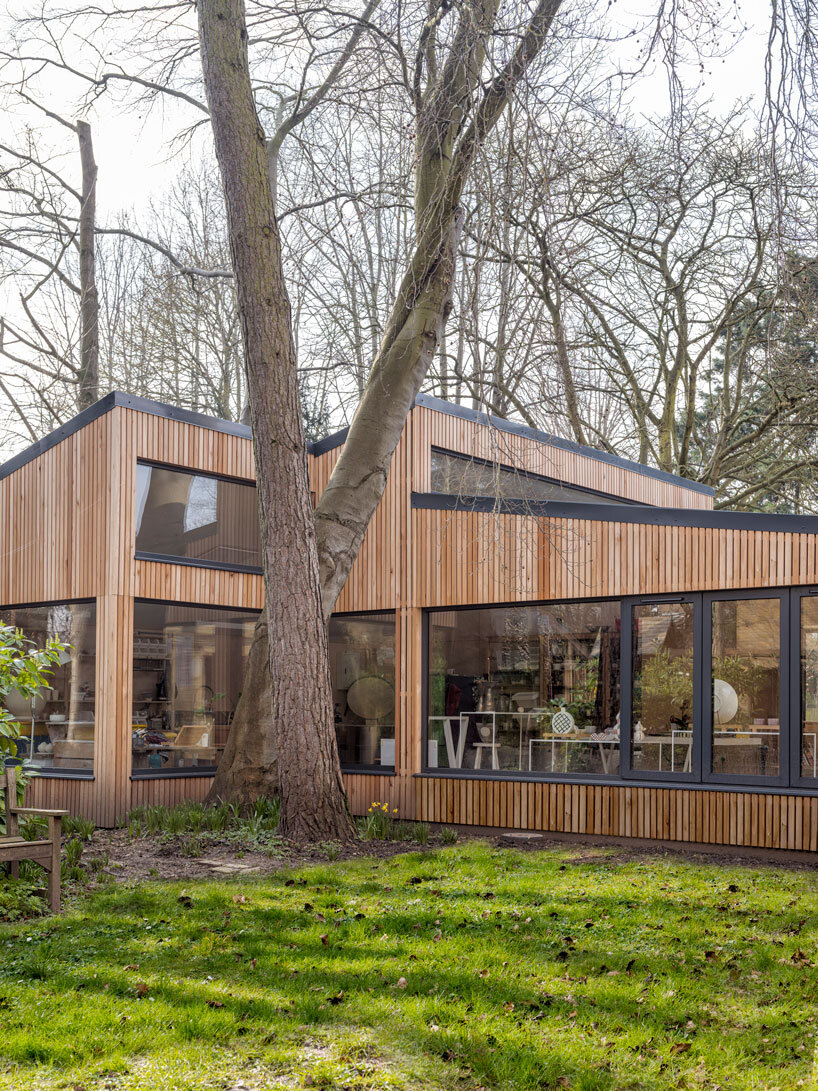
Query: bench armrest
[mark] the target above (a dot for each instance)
(39, 810)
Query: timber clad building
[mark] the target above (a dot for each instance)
(535, 634)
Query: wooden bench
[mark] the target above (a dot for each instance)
(14, 848)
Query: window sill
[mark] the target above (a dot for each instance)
(171, 774)
(368, 770)
(615, 782)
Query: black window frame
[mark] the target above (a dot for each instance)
(159, 774)
(63, 774)
(629, 603)
(797, 595)
(378, 770)
(195, 562)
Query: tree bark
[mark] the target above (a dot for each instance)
(313, 803)
(248, 768)
(89, 298)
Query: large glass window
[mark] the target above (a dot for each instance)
(809, 687)
(196, 517)
(533, 689)
(188, 669)
(362, 663)
(746, 686)
(662, 704)
(59, 723)
(461, 475)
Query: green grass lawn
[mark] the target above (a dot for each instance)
(465, 967)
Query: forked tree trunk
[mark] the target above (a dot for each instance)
(313, 803)
(311, 787)
(88, 385)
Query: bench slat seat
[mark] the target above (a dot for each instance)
(44, 851)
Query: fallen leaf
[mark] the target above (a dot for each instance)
(325, 939)
(402, 982)
(141, 988)
(680, 1047)
(185, 900)
(214, 1003)
(239, 899)
(131, 966)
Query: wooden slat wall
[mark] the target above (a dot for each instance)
(433, 428)
(463, 558)
(664, 814)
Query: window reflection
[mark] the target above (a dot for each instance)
(746, 686)
(662, 712)
(196, 517)
(188, 670)
(362, 664)
(460, 475)
(60, 722)
(528, 688)
(809, 687)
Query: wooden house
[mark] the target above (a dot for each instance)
(535, 635)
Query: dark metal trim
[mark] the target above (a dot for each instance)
(621, 513)
(561, 482)
(190, 562)
(49, 602)
(198, 605)
(426, 401)
(54, 774)
(171, 774)
(328, 443)
(614, 782)
(369, 770)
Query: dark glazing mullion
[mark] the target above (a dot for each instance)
(706, 688)
(424, 693)
(625, 687)
(785, 698)
(794, 686)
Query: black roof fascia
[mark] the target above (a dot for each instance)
(622, 513)
(156, 409)
(440, 406)
(126, 401)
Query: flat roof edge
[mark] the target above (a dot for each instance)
(622, 513)
(427, 401)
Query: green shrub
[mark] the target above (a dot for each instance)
(77, 826)
(448, 836)
(21, 898)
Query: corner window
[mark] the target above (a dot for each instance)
(362, 664)
(466, 476)
(60, 722)
(530, 689)
(198, 518)
(188, 670)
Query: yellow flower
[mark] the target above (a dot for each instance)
(385, 808)
(395, 811)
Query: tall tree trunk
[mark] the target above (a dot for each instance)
(89, 299)
(293, 544)
(313, 803)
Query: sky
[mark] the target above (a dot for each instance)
(137, 162)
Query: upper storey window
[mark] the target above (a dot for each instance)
(198, 518)
(463, 475)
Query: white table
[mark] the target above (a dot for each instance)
(604, 754)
